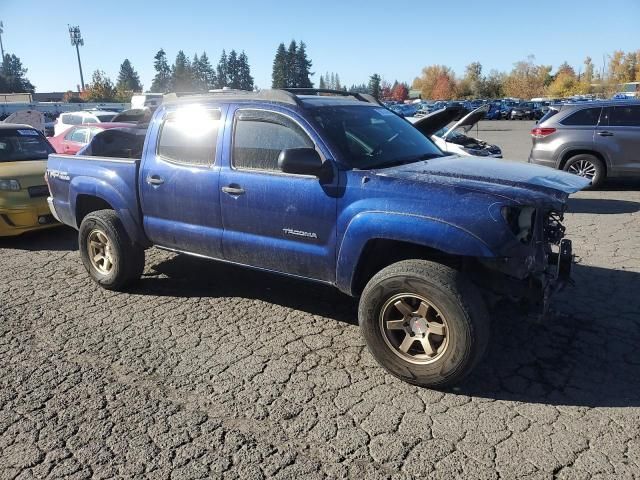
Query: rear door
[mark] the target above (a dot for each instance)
(619, 135)
(179, 178)
(273, 220)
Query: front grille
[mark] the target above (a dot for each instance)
(38, 191)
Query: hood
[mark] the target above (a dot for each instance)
(431, 123)
(499, 177)
(467, 122)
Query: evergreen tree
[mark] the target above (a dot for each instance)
(182, 74)
(207, 74)
(374, 85)
(302, 68)
(162, 81)
(12, 76)
(322, 84)
(244, 72)
(128, 79)
(291, 65)
(233, 70)
(222, 75)
(279, 72)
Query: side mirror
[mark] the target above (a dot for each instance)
(301, 161)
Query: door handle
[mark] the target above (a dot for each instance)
(155, 180)
(231, 190)
(605, 134)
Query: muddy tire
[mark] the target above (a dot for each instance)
(112, 259)
(424, 322)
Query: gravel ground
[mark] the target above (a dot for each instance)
(209, 371)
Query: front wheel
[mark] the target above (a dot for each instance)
(424, 322)
(112, 259)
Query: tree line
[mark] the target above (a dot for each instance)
(527, 79)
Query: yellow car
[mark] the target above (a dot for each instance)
(23, 191)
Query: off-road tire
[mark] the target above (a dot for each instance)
(453, 295)
(127, 256)
(586, 158)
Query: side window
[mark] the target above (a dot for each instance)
(78, 135)
(260, 136)
(89, 119)
(625, 116)
(585, 117)
(189, 135)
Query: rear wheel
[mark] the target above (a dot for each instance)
(587, 166)
(424, 322)
(112, 259)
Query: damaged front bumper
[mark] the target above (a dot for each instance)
(541, 268)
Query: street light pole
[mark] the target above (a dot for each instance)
(77, 41)
(1, 46)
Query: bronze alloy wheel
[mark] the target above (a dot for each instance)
(413, 328)
(100, 253)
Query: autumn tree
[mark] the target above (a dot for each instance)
(101, 88)
(400, 92)
(527, 79)
(432, 76)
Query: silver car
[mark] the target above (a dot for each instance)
(595, 140)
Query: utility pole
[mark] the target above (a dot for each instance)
(77, 41)
(2, 46)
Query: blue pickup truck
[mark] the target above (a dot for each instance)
(334, 188)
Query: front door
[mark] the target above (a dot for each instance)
(179, 176)
(618, 135)
(272, 220)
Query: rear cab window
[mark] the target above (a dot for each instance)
(189, 135)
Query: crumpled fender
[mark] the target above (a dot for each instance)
(110, 193)
(421, 230)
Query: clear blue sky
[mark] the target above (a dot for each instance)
(352, 38)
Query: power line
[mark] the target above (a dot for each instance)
(77, 41)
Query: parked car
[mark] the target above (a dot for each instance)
(72, 140)
(23, 192)
(134, 115)
(33, 118)
(404, 110)
(67, 120)
(494, 112)
(595, 140)
(523, 111)
(452, 138)
(334, 189)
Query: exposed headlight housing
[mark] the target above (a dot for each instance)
(520, 221)
(9, 184)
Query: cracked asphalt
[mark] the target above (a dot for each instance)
(211, 371)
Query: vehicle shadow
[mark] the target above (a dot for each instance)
(620, 184)
(60, 238)
(585, 355)
(185, 276)
(601, 206)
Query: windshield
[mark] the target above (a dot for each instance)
(23, 144)
(373, 137)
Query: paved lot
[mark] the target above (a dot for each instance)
(210, 371)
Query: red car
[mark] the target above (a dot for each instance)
(72, 140)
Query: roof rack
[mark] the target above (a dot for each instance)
(363, 97)
(282, 95)
(274, 95)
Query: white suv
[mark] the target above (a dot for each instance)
(68, 120)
